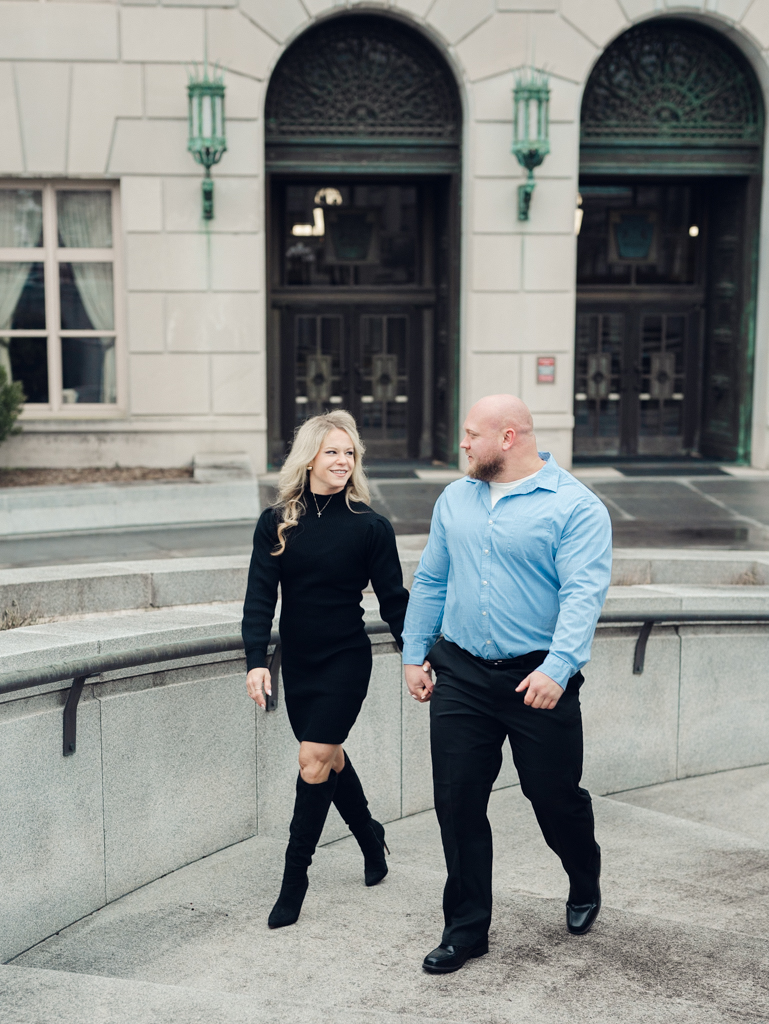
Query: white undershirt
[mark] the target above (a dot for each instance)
(499, 490)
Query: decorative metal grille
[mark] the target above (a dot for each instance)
(671, 80)
(362, 75)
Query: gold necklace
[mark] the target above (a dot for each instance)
(321, 510)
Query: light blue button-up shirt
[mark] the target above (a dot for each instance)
(530, 574)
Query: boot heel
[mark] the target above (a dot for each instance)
(387, 848)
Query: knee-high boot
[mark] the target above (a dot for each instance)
(310, 811)
(350, 801)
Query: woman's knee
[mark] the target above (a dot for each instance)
(315, 764)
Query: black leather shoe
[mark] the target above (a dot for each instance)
(580, 917)
(445, 958)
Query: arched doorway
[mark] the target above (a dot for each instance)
(670, 164)
(362, 124)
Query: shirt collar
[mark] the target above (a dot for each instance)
(546, 478)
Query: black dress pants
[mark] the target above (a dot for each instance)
(473, 708)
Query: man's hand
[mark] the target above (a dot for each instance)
(543, 692)
(258, 683)
(419, 679)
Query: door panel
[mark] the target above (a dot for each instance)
(597, 407)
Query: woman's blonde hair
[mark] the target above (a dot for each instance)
(294, 476)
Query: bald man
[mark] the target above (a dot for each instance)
(504, 606)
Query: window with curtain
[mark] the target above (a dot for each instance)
(57, 309)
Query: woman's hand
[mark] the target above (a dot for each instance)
(258, 682)
(419, 680)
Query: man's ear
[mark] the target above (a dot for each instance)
(508, 439)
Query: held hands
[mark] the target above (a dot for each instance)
(258, 683)
(419, 679)
(543, 692)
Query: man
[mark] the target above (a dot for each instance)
(514, 575)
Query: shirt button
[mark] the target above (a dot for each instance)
(483, 613)
(485, 583)
(485, 551)
(488, 641)
(491, 522)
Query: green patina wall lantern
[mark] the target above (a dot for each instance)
(207, 141)
(531, 129)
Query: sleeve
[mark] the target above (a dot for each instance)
(427, 599)
(386, 577)
(583, 564)
(261, 593)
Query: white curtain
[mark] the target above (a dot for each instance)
(84, 222)
(21, 221)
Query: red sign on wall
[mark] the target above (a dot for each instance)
(546, 370)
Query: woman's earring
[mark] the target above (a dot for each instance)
(309, 469)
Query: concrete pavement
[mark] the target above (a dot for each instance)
(682, 936)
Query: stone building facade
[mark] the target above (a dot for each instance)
(162, 335)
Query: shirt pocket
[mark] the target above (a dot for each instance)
(529, 539)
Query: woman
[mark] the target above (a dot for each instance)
(323, 544)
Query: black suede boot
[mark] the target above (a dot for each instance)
(310, 811)
(350, 801)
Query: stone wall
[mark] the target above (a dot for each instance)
(97, 89)
(172, 765)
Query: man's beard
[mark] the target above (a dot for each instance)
(486, 469)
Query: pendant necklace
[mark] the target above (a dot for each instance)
(321, 510)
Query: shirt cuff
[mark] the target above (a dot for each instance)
(558, 670)
(415, 651)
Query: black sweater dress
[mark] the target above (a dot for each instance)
(327, 563)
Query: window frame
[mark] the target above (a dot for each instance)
(51, 255)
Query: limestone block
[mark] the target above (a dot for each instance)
(51, 843)
(12, 157)
(162, 34)
(245, 154)
(495, 206)
(100, 93)
(599, 20)
(157, 262)
(490, 151)
(558, 440)
(179, 765)
(523, 322)
(43, 91)
(497, 46)
(74, 31)
(630, 722)
(734, 9)
(236, 263)
(239, 45)
(279, 20)
(635, 9)
(549, 262)
(416, 7)
(724, 699)
(563, 159)
(527, 5)
(375, 739)
(145, 321)
(212, 322)
(165, 90)
(67, 590)
(236, 204)
(169, 384)
(151, 147)
(166, 93)
(756, 21)
(237, 384)
(562, 49)
(277, 751)
(496, 262)
(556, 397)
(316, 7)
(141, 203)
(492, 374)
(455, 19)
(417, 785)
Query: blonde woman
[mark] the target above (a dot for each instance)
(322, 543)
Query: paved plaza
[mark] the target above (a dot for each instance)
(682, 935)
(649, 507)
